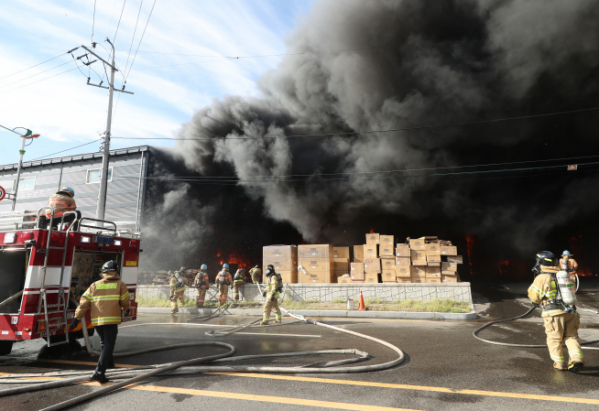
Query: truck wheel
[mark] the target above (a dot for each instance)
(5, 347)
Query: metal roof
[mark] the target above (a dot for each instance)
(74, 158)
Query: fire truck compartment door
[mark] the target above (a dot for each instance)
(13, 266)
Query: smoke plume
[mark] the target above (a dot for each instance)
(387, 64)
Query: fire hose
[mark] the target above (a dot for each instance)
(134, 375)
(527, 313)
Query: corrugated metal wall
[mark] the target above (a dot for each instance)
(124, 202)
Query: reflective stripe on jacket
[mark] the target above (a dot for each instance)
(61, 203)
(271, 286)
(544, 289)
(175, 285)
(106, 297)
(202, 280)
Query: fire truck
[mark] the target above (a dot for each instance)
(47, 264)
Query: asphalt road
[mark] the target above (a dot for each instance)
(445, 367)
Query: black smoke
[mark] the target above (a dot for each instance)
(386, 64)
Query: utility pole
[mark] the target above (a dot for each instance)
(101, 210)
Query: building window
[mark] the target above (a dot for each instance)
(93, 176)
(27, 183)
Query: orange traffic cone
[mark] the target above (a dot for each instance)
(362, 306)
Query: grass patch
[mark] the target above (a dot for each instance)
(438, 305)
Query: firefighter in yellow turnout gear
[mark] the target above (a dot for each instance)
(202, 283)
(177, 290)
(560, 326)
(256, 275)
(239, 279)
(223, 281)
(273, 287)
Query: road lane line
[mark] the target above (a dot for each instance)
(416, 388)
(72, 362)
(266, 398)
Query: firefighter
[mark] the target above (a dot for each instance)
(62, 202)
(177, 291)
(108, 299)
(273, 287)
(561, 321)
(256, 275)
(568, 264)
(202, 283)
(239, 279)
(223, 281)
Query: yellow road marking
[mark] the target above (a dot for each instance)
(87, 363)
(416, 388)
(266, 398)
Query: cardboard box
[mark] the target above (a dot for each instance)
(433, 280)
(277, 251)
(420, 263)
(457, 259)
(386, 240)
(418, 272)
(433, 272)
(341, 252)
(373, 238)
(388, 276)
(418, 244)
(371, 251)
(449, 267)
(405, 261)
(450, 278)
(344, 279)
(357, 271)
(449, 250)
(388, 263)
(433, 258)
(418, 255)
(359, 253)
(433, 265)
(433, 249)
(315, 251)
(319, 277)
(289, 277)
(386, 250)
(357, 281)
(418, 279)
(403, 280)
(403, 252)
(403, 271)
(371, 278)
(316, 264)
(280, 264)
(341, 264)
(372, 265)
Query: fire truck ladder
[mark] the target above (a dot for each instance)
(63, 297)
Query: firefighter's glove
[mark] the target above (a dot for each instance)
(172, 298)
(74, 324)
(126, 313)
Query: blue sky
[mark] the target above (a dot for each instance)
(168, 87)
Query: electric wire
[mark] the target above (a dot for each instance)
(68, 149)
(351, 133)
(134, 31)
(119, 23)
(28, 68)
(94, 21)
(140, 40)
(46, 78)
(34, 75)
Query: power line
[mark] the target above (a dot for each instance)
(352, 133)
(134, 31)
(68, 149)
(33, 82)
(140, 40)
(119, 23)
(37, 74)
(93, 21)
(28, 68)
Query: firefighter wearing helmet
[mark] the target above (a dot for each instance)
(239, 279)
(108, 298)
(554, 292)
(568, 264)
(274, 286)
(256, 274)
(62, 203)
(177, 289)
(223, 281)
(202, 283)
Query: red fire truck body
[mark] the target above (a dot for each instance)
(32, 265)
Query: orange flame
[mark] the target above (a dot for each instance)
(372, 231)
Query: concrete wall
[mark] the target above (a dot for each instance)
(337, 292)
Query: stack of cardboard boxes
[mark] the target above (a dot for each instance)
(341, 261)
(284, 259)
(316, 264)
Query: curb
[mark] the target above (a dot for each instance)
(394, 315)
